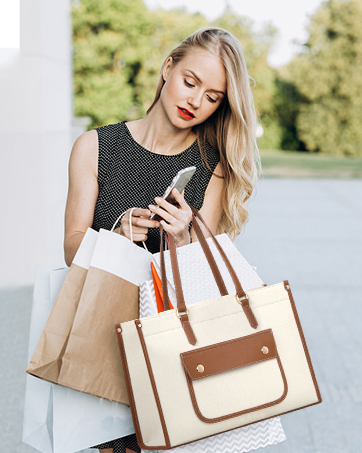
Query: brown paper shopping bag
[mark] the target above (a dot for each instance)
(91, 361)
(47, 357)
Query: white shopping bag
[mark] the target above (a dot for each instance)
(38, 406)
(198, 286)
(58, 419)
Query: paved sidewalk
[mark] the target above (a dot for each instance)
(309, 232)
(305, 231)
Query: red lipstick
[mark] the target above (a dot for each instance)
(185, 114)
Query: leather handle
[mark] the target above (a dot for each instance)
(243, 298)
(239, 289)
(210, 257)
(166, 302)
(181, 306)
(174, 263)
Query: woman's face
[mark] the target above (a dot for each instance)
(194, 88)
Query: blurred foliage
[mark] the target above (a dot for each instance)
(320, 92)
(314, 103)
(119, 47)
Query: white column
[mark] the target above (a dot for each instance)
(35, 140)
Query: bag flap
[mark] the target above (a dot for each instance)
(229, 355)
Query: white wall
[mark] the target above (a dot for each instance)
(35, 140)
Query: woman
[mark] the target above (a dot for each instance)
(203, 115)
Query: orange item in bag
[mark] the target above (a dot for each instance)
(157, 284)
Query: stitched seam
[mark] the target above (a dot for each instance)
(220, 345)
(230, 295)
(228, 369)
(211, 319)
(235, 414)
(190, 335)
(236, 340)
(153, 384)
(250, 316)
(306, 352)
(129, 385)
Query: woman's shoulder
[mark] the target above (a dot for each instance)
(109, 128)
(85, 152)
(86, 144)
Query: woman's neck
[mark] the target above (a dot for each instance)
(158, 135)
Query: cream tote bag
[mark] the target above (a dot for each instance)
(198, 284)
(217, 365)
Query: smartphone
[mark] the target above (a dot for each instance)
(179, 182)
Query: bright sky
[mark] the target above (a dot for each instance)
(9, 24)
(290, 17)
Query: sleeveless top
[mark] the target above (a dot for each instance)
(129, 176)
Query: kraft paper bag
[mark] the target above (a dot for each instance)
(47, 357)
(91, 362)
(58, 419)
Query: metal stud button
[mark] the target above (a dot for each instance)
(119, 330)
(200, 368)
(264, 350)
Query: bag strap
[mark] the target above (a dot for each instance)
(210, 259)
(239, 289)
(182, 311)
(166, 303)
(242, 296)
(130, 225)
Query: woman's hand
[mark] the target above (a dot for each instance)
(176, 219)
(140, 224)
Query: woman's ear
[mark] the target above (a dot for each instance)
(166, 68)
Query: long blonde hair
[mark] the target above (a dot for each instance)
(232, 126)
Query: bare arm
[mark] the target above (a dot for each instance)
(211, 209)
(82, 192)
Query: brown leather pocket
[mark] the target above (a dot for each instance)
(235, 377)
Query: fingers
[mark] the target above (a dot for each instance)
(140, 212)
(162, 212)
(166, 206)
(140, 224)
(176, 220)
(179, 197)
(140, 218)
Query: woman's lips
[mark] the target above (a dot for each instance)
(185, 114)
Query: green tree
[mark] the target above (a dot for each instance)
(110, 43)
(327, 76)
(287, 101)
(170, 28)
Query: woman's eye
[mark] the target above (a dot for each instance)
(188, 84)
(211, 99)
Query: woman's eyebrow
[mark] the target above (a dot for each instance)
(200, 81)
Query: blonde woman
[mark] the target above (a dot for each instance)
(203, 115)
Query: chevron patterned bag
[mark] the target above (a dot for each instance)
(216, 365)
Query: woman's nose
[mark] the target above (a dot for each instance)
(195, 100)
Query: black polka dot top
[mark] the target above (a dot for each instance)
(129, 176)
